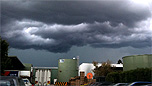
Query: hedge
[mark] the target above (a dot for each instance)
(139, 74)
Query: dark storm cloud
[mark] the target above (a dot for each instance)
(76, 12)
(57, 26)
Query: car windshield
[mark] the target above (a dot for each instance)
(4, 83)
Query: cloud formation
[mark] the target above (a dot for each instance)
(57, 26)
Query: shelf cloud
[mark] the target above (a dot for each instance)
(56, 26)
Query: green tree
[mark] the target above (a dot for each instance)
(4, 54)
(139, 74)
(104, 69)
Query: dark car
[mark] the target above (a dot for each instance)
(121, 84)
(140, 83)
(148, 85)
(11, 81)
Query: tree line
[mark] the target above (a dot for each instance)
(5, 61)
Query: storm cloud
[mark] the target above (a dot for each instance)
(56, 26)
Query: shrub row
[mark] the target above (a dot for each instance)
(139, 74)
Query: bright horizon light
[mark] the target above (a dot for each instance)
(151, 24)
(142, 2)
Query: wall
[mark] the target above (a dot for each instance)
(54, 74)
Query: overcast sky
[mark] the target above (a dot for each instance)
(40, 32)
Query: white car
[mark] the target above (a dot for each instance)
(27, 82)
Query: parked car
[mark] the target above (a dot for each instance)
(140, 83)
(121, 84)
(27, 82)
(11, 81)
(148, 85)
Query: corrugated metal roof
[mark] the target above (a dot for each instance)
(45, 67)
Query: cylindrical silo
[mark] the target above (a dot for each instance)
(67, 68)
(137, 61)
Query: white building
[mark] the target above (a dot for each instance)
(88, 67)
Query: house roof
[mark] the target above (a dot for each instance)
(15, 63)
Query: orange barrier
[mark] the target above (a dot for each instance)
(61, 83)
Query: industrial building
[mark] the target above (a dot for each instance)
(15, 64)
(137, 61)
(67, 68)
(17, 68)
(44, 75)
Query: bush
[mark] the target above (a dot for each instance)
(139, 74)
(113, 77)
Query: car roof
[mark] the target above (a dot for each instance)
(142, 82)
(17, 79)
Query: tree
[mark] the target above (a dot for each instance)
(95, 64)
(119, 62)
(4, 54)
(104, 69)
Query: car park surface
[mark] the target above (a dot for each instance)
(100, 84)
